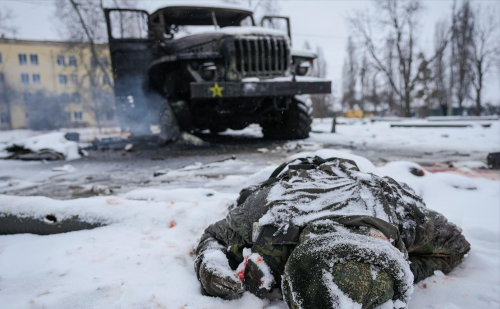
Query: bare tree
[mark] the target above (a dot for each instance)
(6, 23)
(349, 75)
(485, 48)
(374, 95)
(84, 25)
(389, 91)
(321, 103)
(85, 19)
(425, 86)
(462, 34)
(399, 21)
(363, 79)
(441, 90)
(265, 7)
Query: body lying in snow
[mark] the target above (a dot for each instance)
(322, 234)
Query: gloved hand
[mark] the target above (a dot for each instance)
(258, 277)
(218, 279)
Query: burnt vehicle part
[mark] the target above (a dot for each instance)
(228, 77)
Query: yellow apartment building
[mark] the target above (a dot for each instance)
(46, 84)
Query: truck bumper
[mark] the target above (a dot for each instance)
(211, 90)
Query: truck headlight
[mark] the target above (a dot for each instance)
(208, 71)
(302, 68)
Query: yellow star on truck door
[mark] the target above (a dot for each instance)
(216, 91)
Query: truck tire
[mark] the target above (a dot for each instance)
(12, 224)
(295, 122)
(169, 129)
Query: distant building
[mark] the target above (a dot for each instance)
(47, 84)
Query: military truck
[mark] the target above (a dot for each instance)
(192, 68)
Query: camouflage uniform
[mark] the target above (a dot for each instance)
(316, 221)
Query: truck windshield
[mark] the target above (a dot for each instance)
(181, 31)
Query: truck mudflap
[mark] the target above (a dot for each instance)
(211, 90)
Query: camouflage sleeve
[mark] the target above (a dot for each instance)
(439, 245)
(215, 263)
(220, 236)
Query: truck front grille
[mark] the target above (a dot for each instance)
(264, 56)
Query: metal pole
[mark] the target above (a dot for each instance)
(334, 123)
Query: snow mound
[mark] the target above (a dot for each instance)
(54, 141)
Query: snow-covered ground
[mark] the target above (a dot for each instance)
(144, 257)
(380, 135)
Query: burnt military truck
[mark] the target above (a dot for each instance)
(192, 68)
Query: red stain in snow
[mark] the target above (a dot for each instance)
(241, 273)
(172, 224)
(259, 259)
(424, 286)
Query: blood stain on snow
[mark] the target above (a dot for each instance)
(172, 224)
(112, 201)
(259, 259)
(424, 286)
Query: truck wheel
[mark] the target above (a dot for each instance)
(169, 129)
(295, 122)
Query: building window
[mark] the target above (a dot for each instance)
(76, 98)
(25, 79)
(78, 116)
(60, 61)
(4, 118)
(63, 79)
(36, 79)
(74, 79)
(22, 59)
(72, 61)
(34, 59)
(106, 80)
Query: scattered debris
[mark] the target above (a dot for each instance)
(72, 136)
(47, 147)
(65, 168)
(160, 173)
(19, 153)
(494, 160)
(417, 171)
(190, 139)
(129, 147)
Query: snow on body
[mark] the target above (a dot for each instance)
(143, 259)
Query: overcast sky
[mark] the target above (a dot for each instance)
(321, 22)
